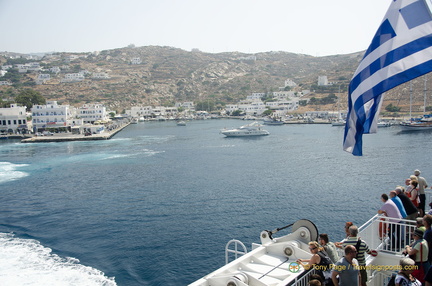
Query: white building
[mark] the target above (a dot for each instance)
(23, 68)
(73, 77)
(256, 107)
(13, 118)
(90, 113)
(290, 83)
(55, 70)
(136, 61)
(256, 96)
(322, 80)
(51, 115)
(140, 111)
(281, 107)
(281, 95)
(100, 75)
(4, 82)
(43, 78)
(189, 106)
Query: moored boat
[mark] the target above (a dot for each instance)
(424, 123)
(340, 122)
(272, 121)
(253, 129)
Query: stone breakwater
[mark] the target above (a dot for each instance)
(62, 137)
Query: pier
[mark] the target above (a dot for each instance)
(62, 137)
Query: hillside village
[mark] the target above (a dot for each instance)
(164, 82)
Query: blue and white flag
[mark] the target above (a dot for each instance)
(401, 50)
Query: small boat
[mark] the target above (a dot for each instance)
(272, 121)
(419, 124)
(381, 124)
(181, 123)
(134, 121)
(340, 122)
(253, 129)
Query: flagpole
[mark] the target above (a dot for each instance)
(410, 100)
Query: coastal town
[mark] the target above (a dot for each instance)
(54, 121)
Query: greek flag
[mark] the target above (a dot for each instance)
(401, 50)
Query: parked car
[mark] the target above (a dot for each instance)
(47, 133)
(38, 134)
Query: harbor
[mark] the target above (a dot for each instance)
(157, 203)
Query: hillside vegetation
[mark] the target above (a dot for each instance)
(167, 75)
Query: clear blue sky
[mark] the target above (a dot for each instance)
(313, 27)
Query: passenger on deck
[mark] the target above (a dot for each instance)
(398, 203)
(329, 247)
(317, 277)
(422, 185)
(315, 282)
(347, 226)
(413, 193)
(410, 208)
(347, 268)
(419, 250)
(404, 277)
(419, 224)
(430, 211)
(390, 210)
(361, 248)
(427, 222)
(319, 259)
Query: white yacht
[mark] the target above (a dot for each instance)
(253, 129)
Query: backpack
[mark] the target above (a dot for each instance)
(392, 280)
(325, 262)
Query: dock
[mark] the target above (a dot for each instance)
(62, 137)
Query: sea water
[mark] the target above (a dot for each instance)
(157, 203)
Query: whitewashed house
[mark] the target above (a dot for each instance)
(256, 96)
(136, 61)
(282, 107)
(283, 95)
(140, 111)
(43, 78)
(290, 83)
(188, 106)
(13, 119)
(55, 70)
(100, 75)
(90, 113)
(51, 115)
(73, 77)
(322, 80)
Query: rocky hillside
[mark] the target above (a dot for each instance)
(167, 75)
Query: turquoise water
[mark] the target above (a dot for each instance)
(156, 204)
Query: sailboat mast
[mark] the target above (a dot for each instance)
(411, 100)
(425, 91)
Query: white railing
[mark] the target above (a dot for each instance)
(387, 237)
(303, 280)
(234, 251)
(381, 233)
